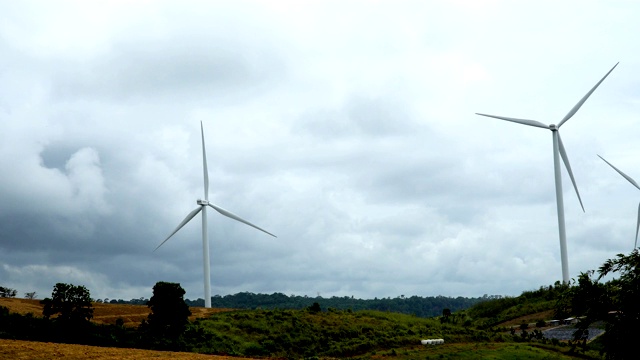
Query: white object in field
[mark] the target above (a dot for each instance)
(432, 342)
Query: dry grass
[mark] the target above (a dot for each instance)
(103, 313)
(22, 306)
(530, 319)
(17, 350)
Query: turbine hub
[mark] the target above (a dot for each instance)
(202, 202)
(553, 127)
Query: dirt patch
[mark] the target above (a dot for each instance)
(31, 350)
(530, 319)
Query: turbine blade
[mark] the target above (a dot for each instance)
(204, 165)
(237, 218)
(633, 182)
(579, 104)
(519, 121)
(565, 159)
(183, 223)
(637, 227)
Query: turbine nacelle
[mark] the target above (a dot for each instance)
(553, 127)
(202, 202)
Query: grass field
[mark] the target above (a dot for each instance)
(31, 350)
(14, 349)
(478, 351)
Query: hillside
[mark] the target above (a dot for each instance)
(103, 313)
(33, 350)
(529, 307)
(323, 333)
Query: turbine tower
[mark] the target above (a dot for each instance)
(559, 151)
(634, 183)
(202, 206)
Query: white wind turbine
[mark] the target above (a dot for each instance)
(202, 206)
(634, 183)
(558, 150)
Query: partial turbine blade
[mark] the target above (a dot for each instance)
(621, 173)
(565, 159)
(579, 104)
(637, 227)
(204, 165)
(183, 223)
(519, 121)
(237, 218)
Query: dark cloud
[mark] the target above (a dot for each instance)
(352, 138)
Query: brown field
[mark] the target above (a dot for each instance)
(102, 313)
(15, 349)
(529, 319)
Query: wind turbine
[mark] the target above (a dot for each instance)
(634, 183)
(202, 206)
(558, 150)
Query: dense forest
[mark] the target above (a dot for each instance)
(414, 305)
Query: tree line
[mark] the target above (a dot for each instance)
(413, 305)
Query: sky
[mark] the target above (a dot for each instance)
(346, 128)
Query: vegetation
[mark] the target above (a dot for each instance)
(169, 313)
(615, 302)
(71, 303)
(331, 333)
(494, 327)
(7, 292)
(169, 318)
(414, 305)
(499, 310)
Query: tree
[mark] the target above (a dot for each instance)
(315, 308)
(71, 303)
(169, 313)
(621, 332)
(30, 295)
(7, 292)
(617, 302)
(446, 313)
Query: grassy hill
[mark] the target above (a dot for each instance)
(529, 307)
(478, 332)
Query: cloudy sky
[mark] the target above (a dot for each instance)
(346, 128)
